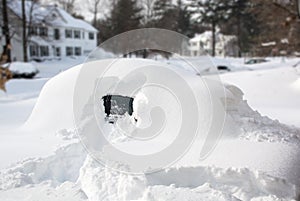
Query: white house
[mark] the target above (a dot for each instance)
(52, 32)
(225, 45)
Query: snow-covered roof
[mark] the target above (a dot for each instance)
(200, 37)
(207, 35)
(43, 14)
(38, 12)
(70, 21)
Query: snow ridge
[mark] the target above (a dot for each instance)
(255, 127)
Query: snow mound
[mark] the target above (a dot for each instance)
(46, 192)
(54, 108)
(195, 183)
(71, 167)
(63, 166)
(255, 127)
(100, 53)
(54, 111)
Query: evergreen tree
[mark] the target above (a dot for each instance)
(183, 19)
(212, 12)
(125, 15)
(164, 15)
(242, 23)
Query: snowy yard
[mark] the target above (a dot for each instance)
(257, 158)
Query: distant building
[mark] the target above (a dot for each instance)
(53, 33)
(225, 45)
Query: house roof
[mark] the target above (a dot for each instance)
(38, 12)
(43, 14)
(70, 21)
(207, 36)
(202, 37)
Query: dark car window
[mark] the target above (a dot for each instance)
(117, 105)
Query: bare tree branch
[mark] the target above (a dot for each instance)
(67, 5)
(95, 7)
(291, 12)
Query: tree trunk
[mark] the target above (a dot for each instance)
(213, 39)
(7, 46)
(239, 41)
(24, 32)
(95, 17)
(239, 37)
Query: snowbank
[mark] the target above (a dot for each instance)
(257, 159)
(273, 92)
(63, 166)
(193, 183)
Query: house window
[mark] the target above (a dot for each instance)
(78, 51)
(33, 31)
(76, 34)
(43, 31)
(56, 34)
(44, 50)
(33, 51)
(68, 33)
(57, 52)
(91, 36)
(69, 51)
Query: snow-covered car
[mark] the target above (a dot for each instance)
(223, 68)
(22, 70)
(256, 158)
(256, 61)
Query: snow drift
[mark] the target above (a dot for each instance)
(257, 158)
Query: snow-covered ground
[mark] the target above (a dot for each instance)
(257, 158)
(273, 92)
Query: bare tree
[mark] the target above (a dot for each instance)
(95, 7)
(67, 5)
(287, 6)
(6, 51)
(27, 18)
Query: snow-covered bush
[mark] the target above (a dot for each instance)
(23, 70)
